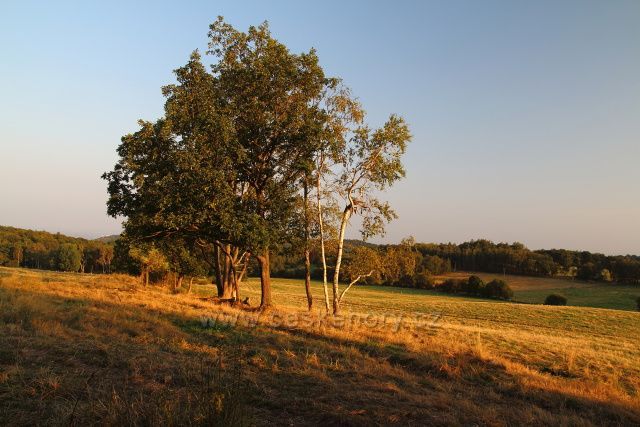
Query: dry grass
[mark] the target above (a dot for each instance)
(78, 349)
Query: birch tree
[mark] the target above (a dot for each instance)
(371, 162)
(342, 112)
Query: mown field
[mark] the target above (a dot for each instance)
(78, 349)
(582, 294)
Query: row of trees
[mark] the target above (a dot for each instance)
(515, 258)
(475, 286)
(39, 249)
(411, 264)
(258, 152)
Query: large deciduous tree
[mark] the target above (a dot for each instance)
(269, 94)
(222, 167)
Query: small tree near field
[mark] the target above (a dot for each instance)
(150, 260)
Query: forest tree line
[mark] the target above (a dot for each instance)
(411, 264)
(48, 251)
(407, 264)
(515, 258)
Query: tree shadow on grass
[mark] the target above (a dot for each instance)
(289, 375)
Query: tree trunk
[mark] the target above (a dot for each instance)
(146, 277)
(224, 272)
(218, 273)
(336, 275)
(307, 261)
(227, 288)
(322, 250)
(190, 284)
(307, 279)
(265, 279)
(178, 283)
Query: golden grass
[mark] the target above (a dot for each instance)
(77, 348)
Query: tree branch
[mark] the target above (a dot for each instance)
(353, 282)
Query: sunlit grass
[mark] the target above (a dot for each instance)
(101, 344)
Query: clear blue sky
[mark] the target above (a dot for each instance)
(525, 115)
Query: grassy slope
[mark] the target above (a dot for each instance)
(582, 294)
(76, 348)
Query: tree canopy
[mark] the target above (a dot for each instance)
(221, 170)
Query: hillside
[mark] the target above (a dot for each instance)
(534, 290)
(80, 348)
(108, 239)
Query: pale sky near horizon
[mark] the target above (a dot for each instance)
(525, 115)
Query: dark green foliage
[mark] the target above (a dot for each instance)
(638, 303)
(451, 286)
(504, 258)
(42, 250)
(555, 299)
(498, 289)
(423, 281)
(435, 264)
(68, 257)
(588, 271)
(220, 170)
(474, 286)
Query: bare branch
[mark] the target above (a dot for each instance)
(353, 282)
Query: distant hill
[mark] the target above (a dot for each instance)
(355, 242)
(108, 239)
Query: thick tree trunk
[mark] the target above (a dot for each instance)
(227, 288)
(224, 272)
(265, 279)
(322, 250)
(307, 261)
(336, 275)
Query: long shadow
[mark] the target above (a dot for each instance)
(338, 396)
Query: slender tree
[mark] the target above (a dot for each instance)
(372, 161)
(342, 112)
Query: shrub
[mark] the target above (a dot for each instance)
(406, 281)
(555, 299)
(475, 285)
(498, 289)
(450, 286)
(423, 280)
